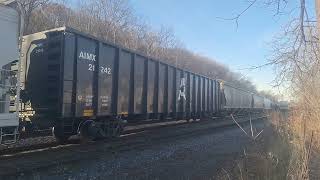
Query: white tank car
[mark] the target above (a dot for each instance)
(9, 65)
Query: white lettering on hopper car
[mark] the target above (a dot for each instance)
(87, 56)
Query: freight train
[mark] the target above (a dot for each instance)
(79, 84)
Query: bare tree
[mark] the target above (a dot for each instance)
(28, 6)
(115, 21)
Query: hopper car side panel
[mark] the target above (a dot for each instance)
(151, 98)
(107, 57)
(87, 64)
(171, 85)
(267, 104)
(124, 83)
(258, 102)
(85, 78)
(235, 98)
(162, 91)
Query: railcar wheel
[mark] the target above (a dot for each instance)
(58, 134)
(117, 130)
(84, 133)
(116, 127)
(88, 131)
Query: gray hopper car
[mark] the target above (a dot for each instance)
(236, 98)
(80, 84)
(76, 83)
(258, 102)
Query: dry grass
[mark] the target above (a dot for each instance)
(284, 151)
(266, 157)
(301, 129)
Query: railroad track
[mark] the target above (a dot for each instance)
(38, 159)
(128, 134)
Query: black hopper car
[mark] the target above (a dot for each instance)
(77, 83)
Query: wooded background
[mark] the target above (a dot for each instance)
(117, 22)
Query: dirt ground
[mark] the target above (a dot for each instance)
(207, 155)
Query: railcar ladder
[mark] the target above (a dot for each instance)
(7, 138)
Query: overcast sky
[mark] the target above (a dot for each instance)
(196, 24)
